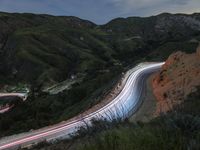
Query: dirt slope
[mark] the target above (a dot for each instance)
(177, 79)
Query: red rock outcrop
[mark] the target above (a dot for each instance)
(179, 77)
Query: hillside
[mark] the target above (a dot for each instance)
(56, 47)
(42, 48)
(40, 51)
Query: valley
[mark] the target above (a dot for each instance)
(66, 65)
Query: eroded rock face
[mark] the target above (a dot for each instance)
(198, 51)
(179, 77)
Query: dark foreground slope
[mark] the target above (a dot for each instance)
(41, 50)
(178, 129)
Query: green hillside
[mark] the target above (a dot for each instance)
(56, 47)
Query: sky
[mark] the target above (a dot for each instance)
(100, 11)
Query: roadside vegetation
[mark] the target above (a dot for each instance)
(9, 101)
(178, 129)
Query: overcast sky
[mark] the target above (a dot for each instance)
(101, 11)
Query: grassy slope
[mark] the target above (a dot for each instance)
(53, 48)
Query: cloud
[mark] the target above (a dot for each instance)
(152, 7)
(35, 6)
(134, 5)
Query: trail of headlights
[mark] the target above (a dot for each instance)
(23, 96)
(117, 108)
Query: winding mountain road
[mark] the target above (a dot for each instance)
(122, 106)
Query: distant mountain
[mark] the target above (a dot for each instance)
(44, 48)
(158, 27)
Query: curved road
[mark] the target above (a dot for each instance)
(23, 96)
(126, 103)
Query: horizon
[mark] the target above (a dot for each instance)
(101, 12)
(102, 23)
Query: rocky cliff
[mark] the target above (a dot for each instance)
(179, 77)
